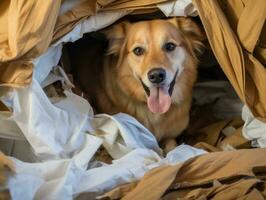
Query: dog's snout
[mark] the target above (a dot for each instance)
(157, 75)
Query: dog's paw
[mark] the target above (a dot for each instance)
(169, 145)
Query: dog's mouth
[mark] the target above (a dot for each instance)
(159, 97)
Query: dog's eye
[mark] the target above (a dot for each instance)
(169, 46)
(138, 51)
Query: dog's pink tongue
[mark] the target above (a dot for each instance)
(159, 100)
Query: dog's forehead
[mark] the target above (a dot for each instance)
(155, 29)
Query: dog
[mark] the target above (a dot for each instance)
(148, 72)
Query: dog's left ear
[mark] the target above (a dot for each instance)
(191, 31)
(116, 36)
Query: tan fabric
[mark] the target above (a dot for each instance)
(207, 147)
(233, 34)
(16, 73)
(103, 3)
(224, 175)
(144, 11)
(210, 134)
(242, 189)
(236, 140)
(157, 181)
(119, 191)
(5, 195)
(68, 20)
(133, 4)
(3, 107)
(212, 137)
(28, 28)
(5, 166)
(260, 49)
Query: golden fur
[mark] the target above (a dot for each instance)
(117, 86)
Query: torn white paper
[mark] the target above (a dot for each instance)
(123, 133)
(178, 8)
(65, 179)
(253, 129)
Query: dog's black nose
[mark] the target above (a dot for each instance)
(157, 75)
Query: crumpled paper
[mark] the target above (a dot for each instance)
(253, 129)
(178, 8)
(66, 178)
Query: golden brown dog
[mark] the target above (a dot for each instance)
(148, 72)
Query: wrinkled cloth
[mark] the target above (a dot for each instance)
(235, 29)
(223, 135)
(26, 31)
(236, 33)
(248, 188)
(219, 175)
(67, 178)
(253, 129)
(178, 8)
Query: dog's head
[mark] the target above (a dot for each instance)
(156, 60)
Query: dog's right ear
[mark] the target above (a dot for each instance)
(116, 36)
